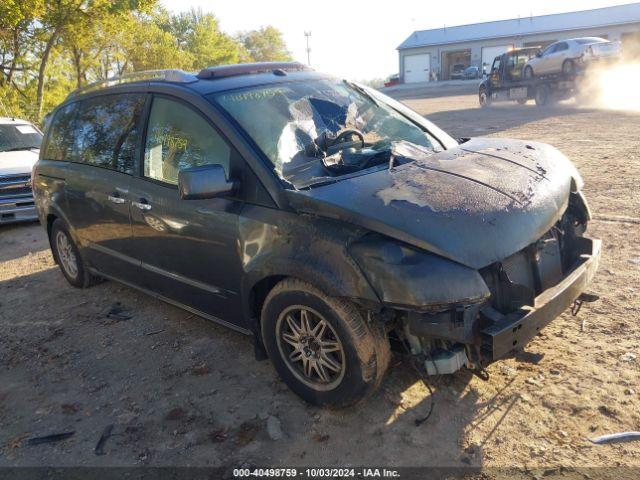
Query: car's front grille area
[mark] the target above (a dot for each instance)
(518, 279)
(15, 185)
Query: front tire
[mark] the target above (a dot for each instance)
(321, 346)
(67, 256)
(484, 98)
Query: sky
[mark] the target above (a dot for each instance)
(357, 39)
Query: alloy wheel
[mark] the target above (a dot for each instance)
(310, 347)
(66, 254)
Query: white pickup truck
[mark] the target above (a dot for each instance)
(19, 151)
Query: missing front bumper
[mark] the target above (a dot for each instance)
(509, 332)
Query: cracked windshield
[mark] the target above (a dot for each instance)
(322, 129)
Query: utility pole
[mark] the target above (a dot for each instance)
(307, 35)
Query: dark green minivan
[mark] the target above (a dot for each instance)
(319, 216)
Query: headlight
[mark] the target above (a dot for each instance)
(409, 278)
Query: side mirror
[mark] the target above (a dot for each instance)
(207, 181)
(538, 54)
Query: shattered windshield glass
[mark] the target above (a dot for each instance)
(315, 131)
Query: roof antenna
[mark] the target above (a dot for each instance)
(307, 36)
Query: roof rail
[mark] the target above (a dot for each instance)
(174, 76)
(249, 68)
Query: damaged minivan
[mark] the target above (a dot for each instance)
(317, 215)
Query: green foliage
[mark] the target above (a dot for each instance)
(50, 47)
(199, 34)
(265, 45)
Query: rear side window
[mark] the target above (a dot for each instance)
(178, 138)
(61, 136)
(108, 130)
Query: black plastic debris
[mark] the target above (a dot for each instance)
(54, 437)
(106, 433)
(117, 312)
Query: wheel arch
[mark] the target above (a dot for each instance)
(257, 285)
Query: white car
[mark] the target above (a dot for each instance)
(19, 151)
(567, 56)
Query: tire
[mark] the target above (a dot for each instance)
(357, 352)
(528, 72)
(67, 256)
(522, 101)
(568, 67)
(484, 98)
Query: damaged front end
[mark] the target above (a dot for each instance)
(453, 316)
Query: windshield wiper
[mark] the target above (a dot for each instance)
(361, 91)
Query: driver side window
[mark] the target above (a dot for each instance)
(178, 137)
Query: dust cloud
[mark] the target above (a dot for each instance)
(612, 87)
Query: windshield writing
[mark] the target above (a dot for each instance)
(323, 128)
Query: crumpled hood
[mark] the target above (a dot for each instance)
(17, 162)
(475, 204)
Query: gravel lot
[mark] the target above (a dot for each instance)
(182, 391)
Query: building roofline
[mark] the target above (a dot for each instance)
(519, 19)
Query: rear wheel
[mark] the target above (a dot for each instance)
(321, 346)
(528, 72)
(67, 255)
(521, 101)
(568, 67)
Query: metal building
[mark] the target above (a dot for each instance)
(435, 54)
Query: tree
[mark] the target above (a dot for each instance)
(61, 17)
(17, 20)
(265, 45)
(50, 47)
(199, 34)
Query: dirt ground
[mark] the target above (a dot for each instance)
(182, 391)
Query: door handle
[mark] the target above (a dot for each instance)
(116, 199)
(143, 204)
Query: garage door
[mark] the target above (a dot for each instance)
(489, 53)
(417, 68)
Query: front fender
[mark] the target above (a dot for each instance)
(278, 243)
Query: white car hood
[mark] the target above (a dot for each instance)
(17, 162)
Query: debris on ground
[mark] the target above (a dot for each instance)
(246, 433)
(16, 441)
(218, 435)
(175, 414)
(320, 438)
(201, 369)
(154, 332)
(118, 313)
(274, 428)
(106, 433)
(54, 437)
(627, 357)
(616, 437)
